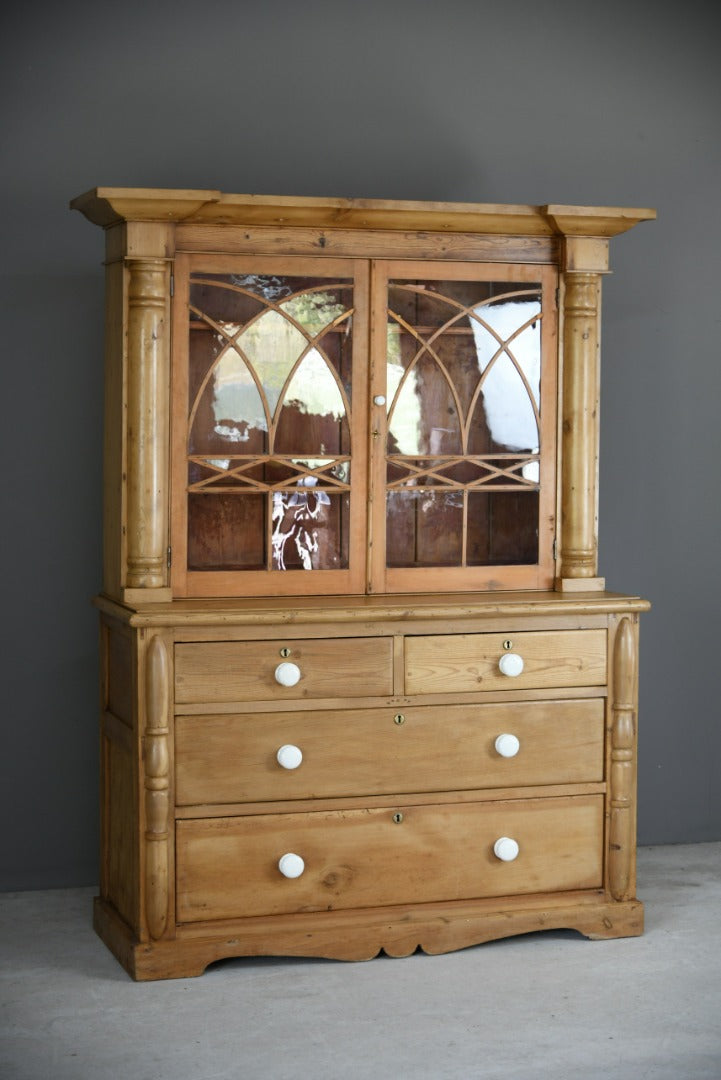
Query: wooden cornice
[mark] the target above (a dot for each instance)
(107, 206)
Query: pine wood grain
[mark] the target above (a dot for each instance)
(461, 662)
(246, 670)
(228, 759)
(228, 866)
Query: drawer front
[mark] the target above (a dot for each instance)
(228, 867)
(464, 663)
(245, 670)
(228, 759)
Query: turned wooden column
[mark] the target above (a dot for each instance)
(579, 432)
(156, 764)
(148, 365)
(622, 828)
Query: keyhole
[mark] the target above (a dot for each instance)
(285, 652)
(398, 818)
(508, 644)
(399, 718)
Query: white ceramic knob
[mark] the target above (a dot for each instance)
(506, 849)
(379, 399)
(506, 745)
(291, 865)
(287, 674)
(290, 757)
(511, 664)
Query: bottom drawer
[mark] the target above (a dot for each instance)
(228, 867)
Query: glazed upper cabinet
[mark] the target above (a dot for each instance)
(317, 397)
(302, 434)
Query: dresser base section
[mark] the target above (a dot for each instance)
(362, 934)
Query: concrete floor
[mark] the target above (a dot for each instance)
(549, 1005)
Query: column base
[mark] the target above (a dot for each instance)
(585, 584)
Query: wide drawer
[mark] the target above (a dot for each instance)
(228, 867)
(448, 663)
(246, 670)
(231, 758)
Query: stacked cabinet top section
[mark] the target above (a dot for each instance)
(328, 397)
(356, 425)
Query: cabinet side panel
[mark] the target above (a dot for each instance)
(113, 447)
(119, 806)
(119, 674)
(121, 833)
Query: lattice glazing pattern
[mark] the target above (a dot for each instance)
(463, 448)
(269, 454)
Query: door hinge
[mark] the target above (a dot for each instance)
(555, 550)
(169, 557)
(172, 284)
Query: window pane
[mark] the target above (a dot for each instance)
(226, 532)
(424, 528)
(502, 528)
(313, 418)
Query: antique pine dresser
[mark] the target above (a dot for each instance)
(362, 686)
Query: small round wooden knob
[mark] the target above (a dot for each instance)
(287, 674)
(291, 865)
(507, 745)
(511, 664)
(506, 849)
(290, 757)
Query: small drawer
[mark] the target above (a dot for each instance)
(235, 758)
(463, 663)
(231, 867)
(248, 670)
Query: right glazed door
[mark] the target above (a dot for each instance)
(463, 426)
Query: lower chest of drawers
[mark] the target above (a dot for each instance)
(335, 794)
(387, 804)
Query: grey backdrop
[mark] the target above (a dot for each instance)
(613, 103)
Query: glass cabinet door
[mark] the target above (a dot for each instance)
(270, 456)
(464, 418)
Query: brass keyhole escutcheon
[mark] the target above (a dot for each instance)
(507, 644)
(398, 818)
(285, 651)
(399, 718)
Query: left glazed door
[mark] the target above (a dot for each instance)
(270, 366)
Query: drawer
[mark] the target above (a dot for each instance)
(246, 670)
(228, 759)
(228, 867)
(462, 663)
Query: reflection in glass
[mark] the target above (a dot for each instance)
(313, 417)
(236, 403)
(510, 372)
(272, 347)
(310, 529)
(314, 310)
